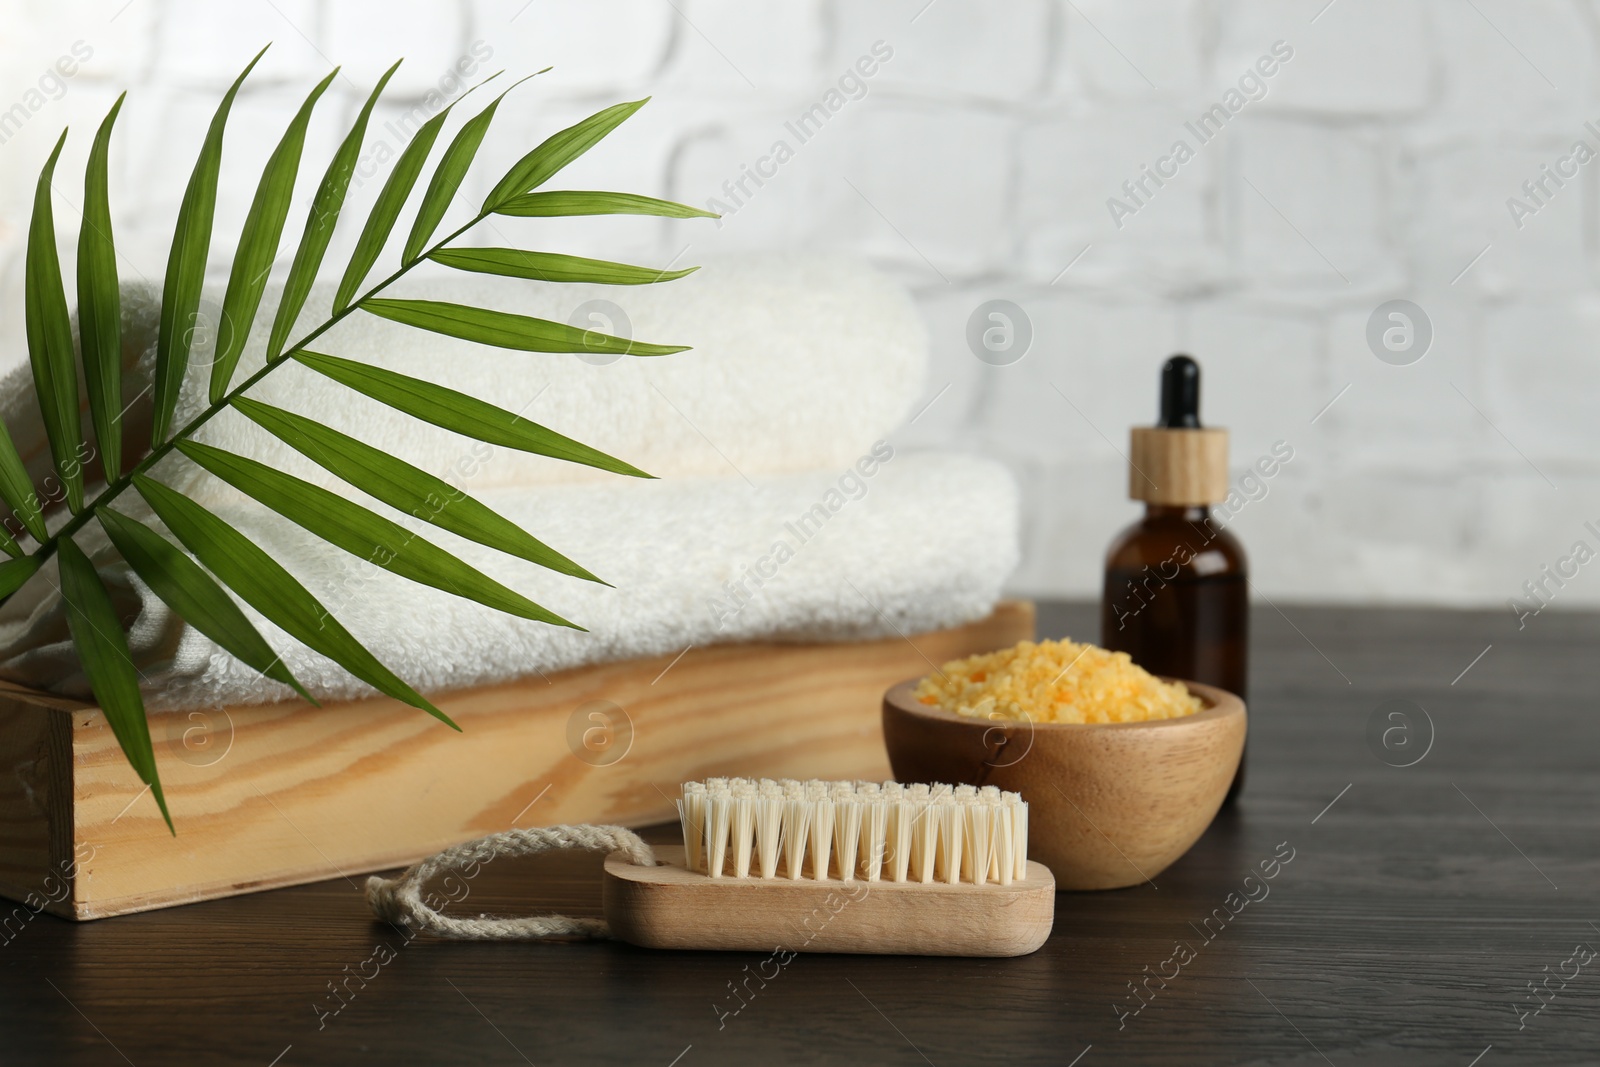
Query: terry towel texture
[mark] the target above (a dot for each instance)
(687, 559)
(766, 523)
(796, 364)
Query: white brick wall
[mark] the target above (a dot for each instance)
(1376, 166)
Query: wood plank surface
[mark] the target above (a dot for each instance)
(1418, 904)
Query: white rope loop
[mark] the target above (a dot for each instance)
(399, 900)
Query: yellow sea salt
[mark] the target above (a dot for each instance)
(1055, 681)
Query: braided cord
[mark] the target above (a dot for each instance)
(399, 900)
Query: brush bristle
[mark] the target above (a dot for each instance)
(744, 828)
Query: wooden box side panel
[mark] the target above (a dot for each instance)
(36, 841)
(285, 793)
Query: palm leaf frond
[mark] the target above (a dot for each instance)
(273, 591)
(559, 149)
(18, 492)
(258, 244)
(188, 590)
(13, 572)
(363, 533)
(100, 303)
(207, 563)
(568, 202)
(552, 266)
(325, 209)
(49, 329)
(103, 648)
(503, 329)
(391, 198)
(448, 175)
(466, 415)
(10, 547)
(404, 487)
(186, 265)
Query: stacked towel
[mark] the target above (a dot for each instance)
(927, 543)
(796, 364)
(784, 511)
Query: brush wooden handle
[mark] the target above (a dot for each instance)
(667, 906)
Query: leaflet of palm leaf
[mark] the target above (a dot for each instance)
(199, 591)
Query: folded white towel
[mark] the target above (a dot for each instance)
(764, 526)
(925, 541)
(798, 363)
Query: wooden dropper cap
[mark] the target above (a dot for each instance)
(1178, 462)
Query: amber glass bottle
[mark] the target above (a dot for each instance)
(1176, 597)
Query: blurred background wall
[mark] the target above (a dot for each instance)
(1341, 155)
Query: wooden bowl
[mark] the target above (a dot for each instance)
(1110, 804)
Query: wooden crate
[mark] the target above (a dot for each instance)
(280, 794)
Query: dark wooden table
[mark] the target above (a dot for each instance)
(1422, 907)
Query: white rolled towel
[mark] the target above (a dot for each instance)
(921, 542)
(797, 363)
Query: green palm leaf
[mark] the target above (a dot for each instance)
(559, 203)
(405, 487)
(258, 244)
(97, 635)
(100, 303)
(273, 591)
(319, 224)
(17, 489)
(207, 565)
(447, 176)
(552, 266)
(13, 572)
(559, 149)
(466, 415)
(506, 330)
(186, 266)
(9, 546)
(364, 534)
(49, 329)
(391, 199)
(188, 590)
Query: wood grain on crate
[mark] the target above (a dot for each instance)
(280, 794)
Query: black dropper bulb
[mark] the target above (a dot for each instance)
(1180, 394)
